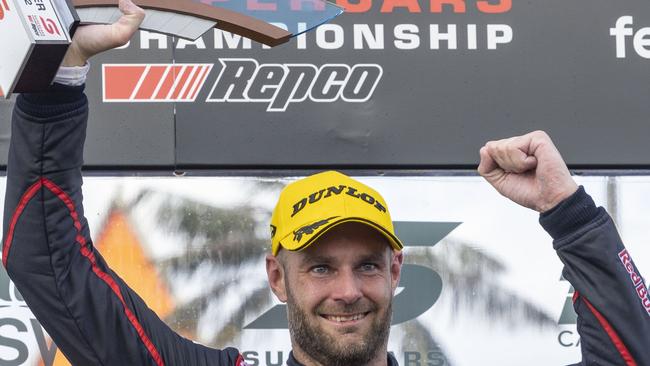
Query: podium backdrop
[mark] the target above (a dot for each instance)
(390, 83)
(391, 87)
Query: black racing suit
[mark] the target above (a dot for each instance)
(96, 319)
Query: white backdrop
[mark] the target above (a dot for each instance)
(498, 251)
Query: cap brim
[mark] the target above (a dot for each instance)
(393, 240)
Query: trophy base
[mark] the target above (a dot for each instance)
(41, 67)
(38, 35)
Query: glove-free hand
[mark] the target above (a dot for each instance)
(528, 170)
(90, 40)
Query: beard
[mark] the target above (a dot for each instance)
(329, 350)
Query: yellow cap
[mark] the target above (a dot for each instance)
(311, 206)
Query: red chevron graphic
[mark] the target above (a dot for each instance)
(3, 7)
(139, 83)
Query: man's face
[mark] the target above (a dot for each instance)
(339, 293)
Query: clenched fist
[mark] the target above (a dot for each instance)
(527, 169)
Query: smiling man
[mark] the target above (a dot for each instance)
(335, 259)
(339, 297)
(337, 274)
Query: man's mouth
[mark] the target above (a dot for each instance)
(345, 318)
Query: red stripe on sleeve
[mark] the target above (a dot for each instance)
(618, 343)
(56, 190)
(24, 200)
(240, 361)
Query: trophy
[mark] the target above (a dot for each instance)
(35, 34)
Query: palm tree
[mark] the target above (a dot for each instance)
(220, 261)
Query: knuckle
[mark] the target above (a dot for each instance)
(541, 134)
(493, 146)
(512, 142)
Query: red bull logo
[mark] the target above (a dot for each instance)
(637, 280)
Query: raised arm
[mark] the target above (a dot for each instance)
(611, 298)
(92, 315)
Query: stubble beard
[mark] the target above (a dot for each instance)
(325, 349)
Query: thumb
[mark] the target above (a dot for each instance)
(513, 155)
(131, 10)
(528, 163)
(129, 22)
(90, 40)
(487, 164)
(516, 155)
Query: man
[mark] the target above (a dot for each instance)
(335, 259)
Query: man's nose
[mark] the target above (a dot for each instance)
(347, 287)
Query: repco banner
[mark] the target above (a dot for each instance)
(241, 80)
(408, 83)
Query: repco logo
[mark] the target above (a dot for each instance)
(4, 6)
(245, 80)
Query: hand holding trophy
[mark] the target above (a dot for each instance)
(40, 33)
(93, 39)
(34, 37)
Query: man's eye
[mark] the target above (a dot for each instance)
(368, 267)
(319, 269)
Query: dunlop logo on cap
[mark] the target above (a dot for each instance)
(350, 191)
(310, 207)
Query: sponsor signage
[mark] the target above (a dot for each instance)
(453, 74)
(636, 279)
(417, 84)
(241, 80)
(640, 37)
(153, 83)
(49, 24)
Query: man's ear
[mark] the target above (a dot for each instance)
(397, 258)
(276, 275)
